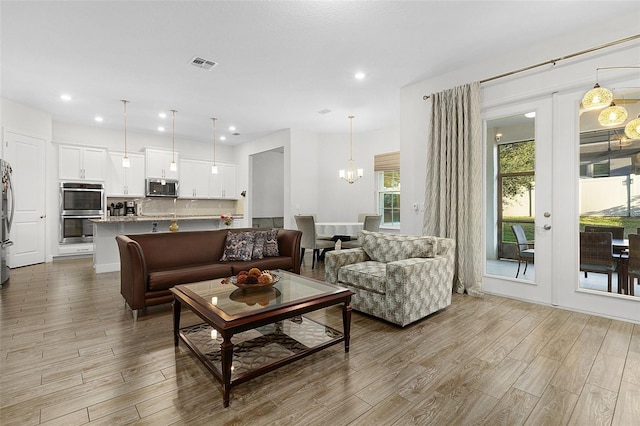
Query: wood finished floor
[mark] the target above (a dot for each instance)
(71, 354)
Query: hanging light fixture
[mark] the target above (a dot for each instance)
(632, 129)
(598, 97)
(173, 166)
(612, 115)
(125, 159)
(351, 174)
(214, 166)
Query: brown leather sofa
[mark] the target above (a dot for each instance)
(150, 264)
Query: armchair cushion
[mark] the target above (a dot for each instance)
(391, 247)
(369, 275)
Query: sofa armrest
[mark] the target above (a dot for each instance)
(133, 272)
(417, 287)
(289, 245)
(334, 260)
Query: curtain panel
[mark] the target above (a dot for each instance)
(453, 195)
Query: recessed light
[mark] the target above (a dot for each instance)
(530, 114)
(223, 138)
(232, 128)
(98, 119)
(360, 75)
(162, 115)
(65, 97)
(160, 129)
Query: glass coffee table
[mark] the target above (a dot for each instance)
(267, 324)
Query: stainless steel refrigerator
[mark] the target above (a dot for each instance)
(8, 210)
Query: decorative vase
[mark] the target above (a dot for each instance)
(174, 226)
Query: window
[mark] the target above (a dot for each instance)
(387, 168)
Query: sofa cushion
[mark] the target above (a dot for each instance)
(270, 263)
(239, 246)
(271, 243)
(370, 275)
(165, 279)
(391, 247)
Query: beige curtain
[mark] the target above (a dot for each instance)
(453, 196)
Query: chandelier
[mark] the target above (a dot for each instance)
(125, 159)
(173, 166)
(214, 166)
(351, 174)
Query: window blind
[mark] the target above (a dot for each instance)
(387, 161)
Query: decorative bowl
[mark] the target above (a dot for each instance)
(234, 280)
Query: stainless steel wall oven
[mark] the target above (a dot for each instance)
(79, 202)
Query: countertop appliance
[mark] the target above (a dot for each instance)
(8, 211)
(162, 188)
(130, 208)
(79, 203)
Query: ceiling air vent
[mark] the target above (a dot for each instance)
(202, 63)
(324, 111)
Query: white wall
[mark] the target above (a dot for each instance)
(267, 188)
(339, 201)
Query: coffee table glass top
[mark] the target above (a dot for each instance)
(234, 301)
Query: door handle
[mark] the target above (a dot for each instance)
(547, 227)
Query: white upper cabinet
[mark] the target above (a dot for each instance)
(194, 179)
(81, 163)
(125, 181)
(223, 184)
(158, 164)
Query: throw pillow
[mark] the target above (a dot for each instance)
(271, 243)
(259, 243)
(239, 246)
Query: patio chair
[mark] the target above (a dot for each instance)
(634, 262)
(525, 251)
(596, 254)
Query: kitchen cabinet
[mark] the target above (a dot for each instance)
(223, 184)
(125, 181)
(158, 164)
(194, 179)
(81, 163)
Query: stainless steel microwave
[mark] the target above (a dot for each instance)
(162, 188)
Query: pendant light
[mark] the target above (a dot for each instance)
(173, 166)
(351, 174)
(214, 166)
(612, 115)
(632, 129)
(125, 159)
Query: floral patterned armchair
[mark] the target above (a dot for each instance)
(399, 278)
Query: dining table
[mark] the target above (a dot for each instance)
(331, 229)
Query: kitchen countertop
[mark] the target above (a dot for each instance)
(158, 218)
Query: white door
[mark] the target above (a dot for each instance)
(27, 157)
(517, 193)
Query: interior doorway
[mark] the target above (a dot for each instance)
(266, 198)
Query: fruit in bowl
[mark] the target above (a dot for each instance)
(253, 277)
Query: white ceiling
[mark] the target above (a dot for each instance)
(279, 62)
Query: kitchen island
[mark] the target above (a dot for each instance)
(106, 257)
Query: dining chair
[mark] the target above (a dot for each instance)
(371, 223)
(524, 249)
(361, 216)
(307, 225)
(634, 262)
(596, 254)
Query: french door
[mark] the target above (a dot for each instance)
(518, 182)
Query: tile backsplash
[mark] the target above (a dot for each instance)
(150, 206)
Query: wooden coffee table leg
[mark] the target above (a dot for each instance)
(346, 323)
(177, 307)
(226, 349)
